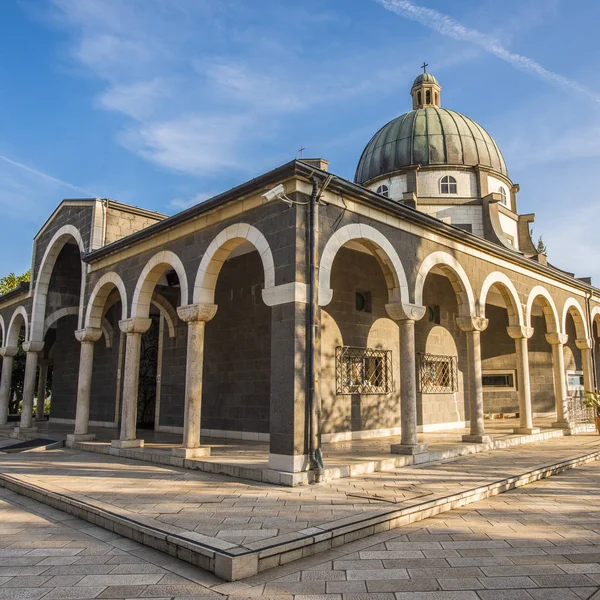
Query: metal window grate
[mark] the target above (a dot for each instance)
(363, 370)
(437, 374)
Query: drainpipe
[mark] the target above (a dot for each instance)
(315, 453)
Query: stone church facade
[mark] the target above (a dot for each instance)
(431, 305)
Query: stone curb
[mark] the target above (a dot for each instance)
(234, 562)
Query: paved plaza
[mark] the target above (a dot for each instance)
(538, 542)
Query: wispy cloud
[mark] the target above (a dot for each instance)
(446, 25)
(183, 203)
(47, 177)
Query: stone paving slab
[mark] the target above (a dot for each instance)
(236, 529)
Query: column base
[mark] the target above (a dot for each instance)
(191, 452)
(562, 425)
(18, 430)
(477, 439)
(410, 449)
(79, 437)
(289, 463)
(122, 444)
(526, 430)
(40, 419)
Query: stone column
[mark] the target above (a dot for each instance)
(87, 337)
(32, 350)
(7, 353)
(406, 315)
(473, 326)
(521, 334)
(41, 390)
(196, 316)
(586, 345)
(133, 329)
(557, 341)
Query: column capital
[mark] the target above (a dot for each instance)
(203, 311)
(517, 332)
(402, 311)
(89, 334)
(584, 344)
(472, 323)
(135, 325)
(556, 338)
(33, 346)
(8, 351)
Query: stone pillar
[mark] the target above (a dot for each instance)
(196, 316)
(557, 341)
(87, 337)
(521, 334)
(41, 390)
(406, 315)
(133, 329)
(586, 345)
(32, 350)
(473, 326)
(7, 353)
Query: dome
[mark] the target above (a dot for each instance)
(428, 136)
(425, 77)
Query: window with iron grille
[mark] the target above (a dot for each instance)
(437, 374)
(363, 370)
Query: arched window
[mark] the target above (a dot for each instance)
(428, 97)
(384, 190)
(502, 192)
(448, 185)
(418, 97)
(437, 101)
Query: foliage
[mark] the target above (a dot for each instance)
(541, 247)
(12, 281)
(592, 400)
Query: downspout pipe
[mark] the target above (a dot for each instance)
(315, 453)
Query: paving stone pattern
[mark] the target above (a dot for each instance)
(538, 542)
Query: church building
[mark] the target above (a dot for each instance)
(301, 309)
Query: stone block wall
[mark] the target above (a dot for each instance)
(122, 222)
(65, 283)
(172, 385)
(65, 372)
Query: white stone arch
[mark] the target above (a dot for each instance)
(457, 276)
(97, 301)
(509, 294)
(573, 308)
(379, 246)
(152, 272)
(219, 250)
(168, 312)
(18, 319)
(595, 317)
(543, 296)
(2, 331)
(59, 314)
(42, 278)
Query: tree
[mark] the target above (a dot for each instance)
(541, 247)
(12, 281)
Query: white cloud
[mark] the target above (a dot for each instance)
(446, 25)
(183, 203)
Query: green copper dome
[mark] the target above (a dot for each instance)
(428, 136)
(425, 77)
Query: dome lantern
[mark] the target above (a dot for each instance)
(425, 90)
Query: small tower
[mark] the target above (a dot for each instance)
(425, 90)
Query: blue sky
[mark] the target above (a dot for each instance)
(163, 103)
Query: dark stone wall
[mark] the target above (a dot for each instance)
(65, 283)
(343, 325)
(104, 375)
(65, 371)
(443, 339)
(237, 351)
(172, 387)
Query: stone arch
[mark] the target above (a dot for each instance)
(595, 316)
(152, 272)
(219, 250)
(42, 278)
(18, 319)
(380, 247)
(457, 277)
(542, 295)
(509, 294)
(169, 313)
(99, 296)
(2, 331)
(573, 308)
(59, 314)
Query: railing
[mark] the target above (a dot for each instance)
(577, 412)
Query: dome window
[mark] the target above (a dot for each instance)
(448, 185)
(428, 97)
(384, 190)
(502, 192)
